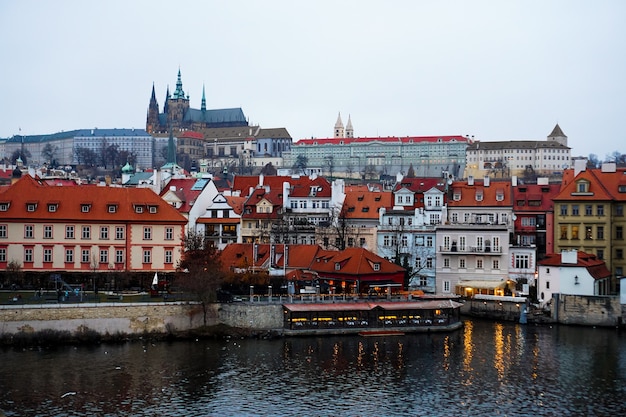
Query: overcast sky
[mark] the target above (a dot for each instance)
(497, 70)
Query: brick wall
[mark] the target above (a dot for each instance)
(587, 310)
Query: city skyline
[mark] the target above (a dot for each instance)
(496, 72)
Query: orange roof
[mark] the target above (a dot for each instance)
(602, 185)
(355, 261)
(365, 204)
(497, 194)
(236, 203)
(523, 194)
(68, 203)
(299, 185)
(596, 267)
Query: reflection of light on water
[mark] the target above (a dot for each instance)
(446, 353)
(335, 360)
(360, 355)
(498, 360)
(376, 352)
(400, 355)
(535, 357)
(468, 352)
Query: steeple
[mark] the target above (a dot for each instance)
(557, 135)
(166, 106)
(152, 120)
(349, 129)
(171, 149)
(179, 93)
(339, 132)
(203, 105)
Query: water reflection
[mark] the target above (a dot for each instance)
(484, 369)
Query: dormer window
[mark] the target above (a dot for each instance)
(85, 208)
(620, 188)
(479, 196)
(457, 196)
(337, 266)
(365, 209)
(31, 207)
(376, 266)
(138, 209)
(500, 197)
(152, 209)
(4, 206)
(581, 187)
(112, 208)
(52, 208)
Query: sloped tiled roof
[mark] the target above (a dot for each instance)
(489, 194)
(596, 267)
(183, 189)
(603, 186)
(389, 139)
(70, 200)
(523, 194)
(356, 262)
(361, 203)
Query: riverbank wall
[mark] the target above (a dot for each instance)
(136, 319)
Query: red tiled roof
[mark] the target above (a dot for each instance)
(419, 185)
(190, 134)
(596, 267)
(365, 204)
(522, 194)
(407, 139)
(355, 261)
(602, 185)
(236, 203)
(70, 201)
(244, 183)
(182, 188)
(490, 193)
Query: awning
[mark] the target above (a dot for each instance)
(483, 285)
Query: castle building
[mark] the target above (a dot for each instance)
(178, 114)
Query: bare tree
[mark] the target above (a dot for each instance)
(49, 152)
(337, 232)
(200, 272)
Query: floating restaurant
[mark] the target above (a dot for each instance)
(371, 317)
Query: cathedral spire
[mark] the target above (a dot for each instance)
(339, 133)
(203, 106)
(349, 129)
(167, 99)
(179, 93)
(171, 149)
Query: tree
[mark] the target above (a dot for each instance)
(350, 169)
(338, 230)
(85, 156)
(617, 157)
(48, 152)
(300, 165)
(110, 155)
(24, 155)
(330, 164)
(200, 270)
(593, 161)
(370, 172)
(411, 172)
(269, 170)
(126, 156)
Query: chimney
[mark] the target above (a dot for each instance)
(514, 180)
(486, 181)
(470, 180)
(569, 257)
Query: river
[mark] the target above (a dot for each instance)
(484, 369)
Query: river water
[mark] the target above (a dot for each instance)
(484, 369)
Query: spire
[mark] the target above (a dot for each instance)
(339, 133)
(203, 106)
(167, 98)
(349, 129)
(179, 93)
(153, 97)
(171, 149)
(557, 132)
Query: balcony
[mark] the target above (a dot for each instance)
(487, 250)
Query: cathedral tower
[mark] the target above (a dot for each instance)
(339, 132)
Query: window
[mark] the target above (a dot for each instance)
(119, 256)
(386, 240)
(619, 232)
(84, 208)
(69, 256)
(600, 210)
(563, 232)
(588, 210)
(69, 232)
(563, 209)
(52, 208)
(429, 263)
(600, 253)
(619, 253)
(446, 262)
(169, 233)
(582, 187)
(350, 242)
(575, 210)
(599, 232)
(405, 240)
(455, 218)
(529, 221)
(119, 233)
(104, 256)
(479, 196)
(112, 208)
(28, 254)
(152, 209)
(547, 285)
(47, 255)
(479, 263)
(47, 232)
(495, 264)
(138, 209)
(429, 241)
(3, 254)
(446, 286)
(28, 231)
(168, 256)
(588, 232)
(522, 261)
(461, 263)
(376, 266)
(104, 232)
(462, 243)
(4, 207)
(619, 210)
(337, 266)
(86, 232)
(361, 241)
(575, 232)
(84, 256)
(147, 256)
(31, 207)
(147, 233)
(3, 231)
